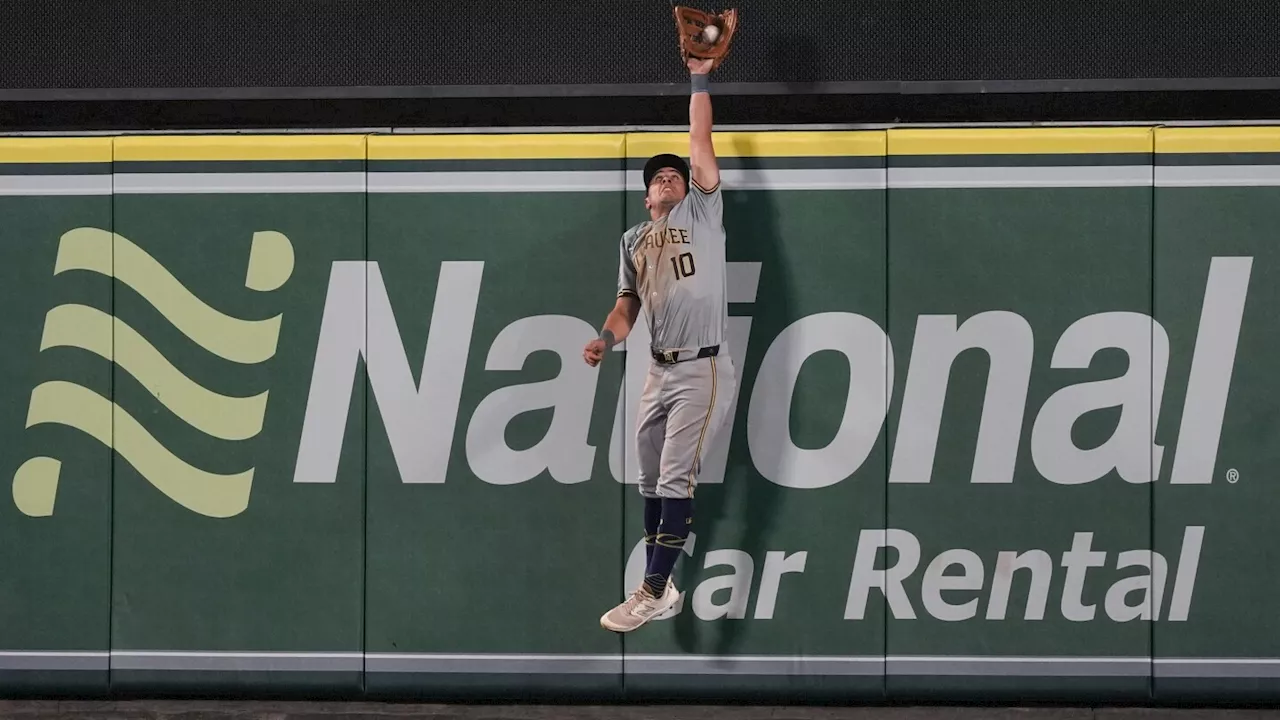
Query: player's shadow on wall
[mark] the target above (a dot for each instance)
(740, 513)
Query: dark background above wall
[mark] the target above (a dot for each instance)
(117, 65)
(401, 47)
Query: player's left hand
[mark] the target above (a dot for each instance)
(698, 66)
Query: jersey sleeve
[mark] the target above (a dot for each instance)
(706, 202)
(626, 271)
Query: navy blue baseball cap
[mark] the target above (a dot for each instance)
(657, 162)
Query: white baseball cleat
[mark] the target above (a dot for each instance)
(639, 609)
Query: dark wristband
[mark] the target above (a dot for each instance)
(699, 82)
(607, 336)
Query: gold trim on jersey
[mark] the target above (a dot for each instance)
(704, 191)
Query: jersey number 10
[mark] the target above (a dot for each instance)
(683, 265)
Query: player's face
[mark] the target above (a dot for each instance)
(666, 188)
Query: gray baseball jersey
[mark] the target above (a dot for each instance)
(676, 267)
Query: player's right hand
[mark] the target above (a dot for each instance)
(593, 353)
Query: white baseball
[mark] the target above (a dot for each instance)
(710, 33)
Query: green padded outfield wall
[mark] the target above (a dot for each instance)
(307, 414)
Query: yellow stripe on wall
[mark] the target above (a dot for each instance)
(763, 144)
(1218, 140)
(56, 150)
(196, 148)
(496, 147)
(1021, 141)
(855, 143)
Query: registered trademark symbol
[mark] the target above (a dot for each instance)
(1233, 475)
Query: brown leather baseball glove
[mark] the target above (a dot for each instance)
(691, 25)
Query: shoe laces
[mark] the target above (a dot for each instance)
(638, 601)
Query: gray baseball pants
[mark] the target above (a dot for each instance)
(683, 407)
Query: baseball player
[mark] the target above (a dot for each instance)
(673, 266)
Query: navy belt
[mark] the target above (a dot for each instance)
(670, 357)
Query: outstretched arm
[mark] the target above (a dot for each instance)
(702, 153)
